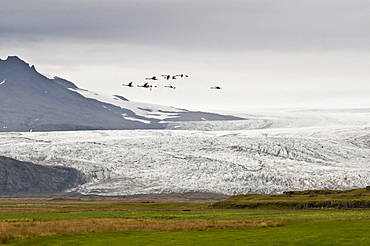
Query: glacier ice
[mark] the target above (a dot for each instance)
(260, 155)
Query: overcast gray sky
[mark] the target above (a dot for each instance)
(264, 53)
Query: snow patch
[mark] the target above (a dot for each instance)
(48, 76)
(135, 119)
(141, 109)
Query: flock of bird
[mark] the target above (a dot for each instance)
(166, 77)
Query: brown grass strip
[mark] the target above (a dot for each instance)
(28, 228)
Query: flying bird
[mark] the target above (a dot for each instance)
(216, 87)
(181, 75)
(130, 84)
(170, 86)
(166, 76)
(146, 85)
(152, 78)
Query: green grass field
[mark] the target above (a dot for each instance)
(272, 220)
(352, 232)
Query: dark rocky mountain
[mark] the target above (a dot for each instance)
(17, 177)
(32, 102)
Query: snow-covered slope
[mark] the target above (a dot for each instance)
(146, 110)
(32, 102)
(269, 153)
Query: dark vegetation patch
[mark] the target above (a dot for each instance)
(357, 198)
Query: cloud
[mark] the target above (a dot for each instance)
(202, 24)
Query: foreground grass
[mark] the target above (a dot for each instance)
(351, 232)
(274, 220)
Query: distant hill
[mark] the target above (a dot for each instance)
(17, 177)
(32, 102)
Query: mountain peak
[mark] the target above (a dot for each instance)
(15, 61)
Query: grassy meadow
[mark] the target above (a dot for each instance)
(296, 218)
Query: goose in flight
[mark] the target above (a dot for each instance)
(130, 84)
(170, 86)
(181, 75)
(146, 85)
(166, 76)
(216, 87)
(152, 78)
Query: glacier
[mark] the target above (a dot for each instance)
(269, 153)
